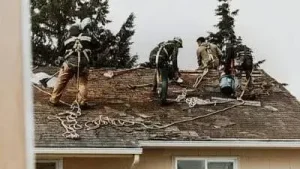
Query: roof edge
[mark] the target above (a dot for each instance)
(225, 143)
(88, 151)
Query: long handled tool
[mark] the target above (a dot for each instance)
(111, 74)
(45, 80)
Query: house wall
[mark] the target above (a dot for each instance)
(12, 127)
(164, 159)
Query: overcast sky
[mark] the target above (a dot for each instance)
(270, 27)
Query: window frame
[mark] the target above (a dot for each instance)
(58, 163)
(234, 160)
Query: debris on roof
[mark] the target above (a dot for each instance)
(271, 108)
(125, 114)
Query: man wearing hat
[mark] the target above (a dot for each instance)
(164, 58)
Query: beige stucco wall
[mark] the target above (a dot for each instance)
(164, 159)
(12, 128)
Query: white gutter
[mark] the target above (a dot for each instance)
(88, 151)
(219, 143)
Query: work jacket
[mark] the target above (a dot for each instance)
(83, 44)
(167, 53)
(208, 55)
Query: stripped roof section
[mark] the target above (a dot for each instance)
(277, 118)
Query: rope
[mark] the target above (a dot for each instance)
(199, 78)
(71, 116)
(69, 122)
(65, 103)
(203, 116)
(77, 78)
(243, 92)
(103, 121)
(67, 119)
(200, 117)
(35, 68)
(72, 125)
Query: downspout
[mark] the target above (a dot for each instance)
(136, 160)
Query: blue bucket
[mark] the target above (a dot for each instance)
(227, 84)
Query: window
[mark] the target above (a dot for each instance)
(48, 164)
(205, 163)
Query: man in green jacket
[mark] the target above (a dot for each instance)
(164, 58)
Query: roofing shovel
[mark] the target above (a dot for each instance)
(111, 74)
(45, 80)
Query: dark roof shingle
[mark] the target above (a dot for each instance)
(277, 118)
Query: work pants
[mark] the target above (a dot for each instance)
(65, 74)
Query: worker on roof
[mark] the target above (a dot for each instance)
(237, 58)
(208, 54)
(76, 51)
(167, 53)
(164, 58)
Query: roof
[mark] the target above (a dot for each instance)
(278, 117)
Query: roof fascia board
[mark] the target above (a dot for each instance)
(293, 144)
(88, 151)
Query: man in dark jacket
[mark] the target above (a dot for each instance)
(164, 58)
(76, 50)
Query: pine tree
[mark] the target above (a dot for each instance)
(225, 25)
(122, 57)
(226, 32)
(115, 52)
(101, 58)
(49, 20)
(96, 10)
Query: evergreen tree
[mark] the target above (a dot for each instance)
(225, 25)
(97, 10)
(49, 20)
(226, 32)
(115, 50)
(122, 57)
(101, 58)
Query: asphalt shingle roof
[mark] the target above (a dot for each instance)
(278, 117)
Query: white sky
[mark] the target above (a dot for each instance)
(269, 27)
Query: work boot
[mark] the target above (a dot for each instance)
(53, 104)
(165, 103)
(86, 106)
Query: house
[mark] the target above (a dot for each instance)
(126, 129)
